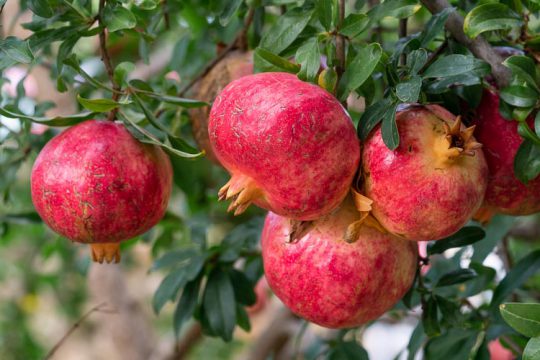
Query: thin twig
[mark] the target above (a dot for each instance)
(434, 56)
(340, 45)
(97, 308)
(107, 60)
(239, 41)
(166, 17)
(402, 34)
(478, 46)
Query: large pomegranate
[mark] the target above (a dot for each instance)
(505, 193)
(234, 66)
(332, 282)
(432, 184)
(94, 183)
(289, 145)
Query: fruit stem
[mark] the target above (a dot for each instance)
(455, 142)
(105, 251)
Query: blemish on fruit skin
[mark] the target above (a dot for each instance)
(286, 142)
(412, 195)
(505, 193)
(333, 283)
(88, 182)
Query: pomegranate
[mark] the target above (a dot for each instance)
(505, 193)
(332, 282)
(432, 184)
(235, 65)
(94, 183)
(290, 146)
(499, 352)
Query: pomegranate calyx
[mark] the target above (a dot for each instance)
(299, 228)
(242, 190)
(363, 204)
(105, 252)
(460, 142)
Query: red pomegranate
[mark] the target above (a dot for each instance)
(289, 145)
(94, 183)
(505, 193)
(433, 183)
(332, 282)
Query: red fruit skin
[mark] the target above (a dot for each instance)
(498, 352)
(333, 283)
(95, 183)
(413, 196)
(505, 193)
(293, 139)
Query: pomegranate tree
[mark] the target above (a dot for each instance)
(94, 183)
(289, 146)
(333, 282)
(433, 183)
(505, 193)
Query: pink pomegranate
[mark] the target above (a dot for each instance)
(94, 183)
(289, 145)
(505, 193)
(331, 282)
(498, 352)
(432, 184)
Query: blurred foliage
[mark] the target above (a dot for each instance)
(210, 260)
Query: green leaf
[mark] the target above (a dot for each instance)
(122, 70)
(174, 258)
(242, 318)
(525, 131)
(219, 304)
(522, 67)
(527, 161)
(183, 102)
(17, 49)
(537, 123)
(73, 62)
(243, 288)
(456, 277)
(456, 64)
(286, 30)
(524, 318)
(416, 59)
(373, 116)
(409, 91)
(524, 269)
(434, 26)
(41, 8)
(430, 318)
(532, 350)
(348, 350)
(415, 342)
(394, 8)
(117, 17)
(55, 121)
(168, 288)
(230, 9)
(325, 13)
(309, 58)
(455, 344)
(520, 96)
(465, 236)
(98, 105)
(389, 129)
(488, 17)
(354, 25)
(263, 57)
(328, 80)
(186, 305)
(362, 66)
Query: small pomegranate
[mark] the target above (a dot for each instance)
(289, 145)
(332, 282)
(94, 183)
(432, 184)
(234, 66)
(505, 193)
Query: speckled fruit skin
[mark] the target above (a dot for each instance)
(333, 283)
(505, 193)
(95, 183)
(413, 195)
(293, 139)
(234, 66)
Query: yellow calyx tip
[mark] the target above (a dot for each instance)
(460, 142)
(107, 252)
(242, 190)
(363, 204)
